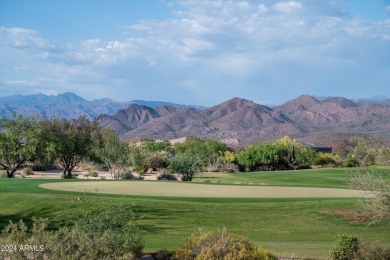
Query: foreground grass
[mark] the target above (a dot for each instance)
(286, 227)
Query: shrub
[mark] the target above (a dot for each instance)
(3, 174)
(372, 183)
(40, 167)
(373, 250)
(349, 162)
(220, 244)
(304, 167)
(27, 171)
(162, 254)
(69, 243)
(166, 175)
(91, 171)
(129, 176)
(346, 247)
(326, 159)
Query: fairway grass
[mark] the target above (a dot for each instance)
(175, 189)
(289, 227)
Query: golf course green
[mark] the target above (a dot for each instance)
(176, 189)
(274, 217)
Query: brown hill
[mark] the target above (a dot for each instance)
(128, 119)
(250, 122)
(337, 115)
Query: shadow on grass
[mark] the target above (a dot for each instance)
(27, 216)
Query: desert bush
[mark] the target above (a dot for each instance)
(27, 171)
(371, 182)
(349, 247)
(67, 243)
(166, 175)
(220, 244)
(326, 159)
(3, 174)
(40, 167)
(346, 247)
(304, 167)
(349, 162)
(130, 176)
(373, 251)
(92, 172)
(162, 254)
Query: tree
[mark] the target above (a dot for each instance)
(70, 141)
(207, 149)
(109, 149)
(378, 207)
(271, 155)
(360, 150)
(139, 158)
(307, 155)
(249, 159)
(157, 153)
(18, 142)
(292, 148)
(263, 155)
(186, 165)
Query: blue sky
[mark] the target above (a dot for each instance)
(194, 51)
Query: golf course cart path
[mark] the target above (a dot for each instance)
(180, 189)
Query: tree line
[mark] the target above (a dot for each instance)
(69, 142)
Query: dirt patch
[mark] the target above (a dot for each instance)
(353, 215)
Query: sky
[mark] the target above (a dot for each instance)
(199, 52)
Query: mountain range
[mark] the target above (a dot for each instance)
(68, 105)
(306, 117)
(249, 122)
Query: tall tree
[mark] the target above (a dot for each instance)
(18, 142)
(70, 141)
(186, 165)
(109, 149)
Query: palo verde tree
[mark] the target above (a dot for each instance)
(205, 148)
(18, 142)
(373, 184)
(186, 165)
(110, 150)
(69, 141)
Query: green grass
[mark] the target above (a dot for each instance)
(323, 177)
(286, 227)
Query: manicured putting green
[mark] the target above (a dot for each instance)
(176, 189)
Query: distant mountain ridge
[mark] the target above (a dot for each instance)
(249, 122)
(306, 117)
(68, 105)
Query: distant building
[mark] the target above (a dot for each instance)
(321, 149)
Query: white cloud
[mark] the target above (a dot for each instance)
(22, 38)
(287, 7)
(213, 49)
(387, 8)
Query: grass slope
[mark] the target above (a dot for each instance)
(322, 177)
(288, 227)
